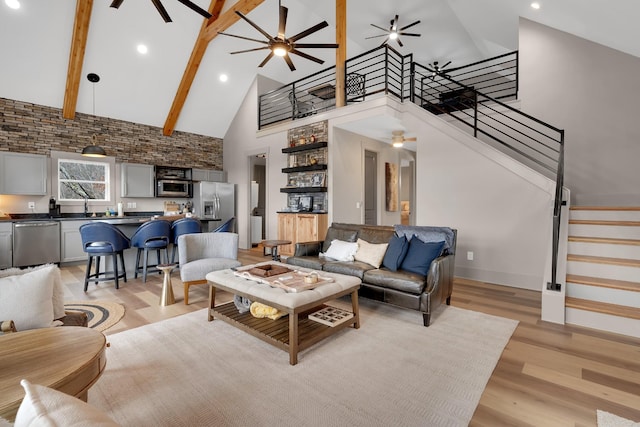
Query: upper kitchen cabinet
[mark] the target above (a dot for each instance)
(209, 175)
(137, 180)
(23, 174)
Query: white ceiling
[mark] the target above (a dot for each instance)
(35, 42)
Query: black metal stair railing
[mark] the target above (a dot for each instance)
(471, 96)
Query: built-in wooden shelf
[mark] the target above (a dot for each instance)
(307, 168)
(303, 190)
(305, 147)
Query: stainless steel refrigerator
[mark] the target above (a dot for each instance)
(214, 202)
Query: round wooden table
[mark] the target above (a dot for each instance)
(66, 358)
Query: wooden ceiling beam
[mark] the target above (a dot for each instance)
(76, 57)
(208, 32)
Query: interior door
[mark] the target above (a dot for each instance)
(370, 188)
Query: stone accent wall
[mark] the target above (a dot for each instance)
(37, 129)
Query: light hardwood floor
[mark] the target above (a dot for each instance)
(548, 375)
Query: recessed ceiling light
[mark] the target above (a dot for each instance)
(142, 49)
(223, 77)
(535, 5)
(13, 4)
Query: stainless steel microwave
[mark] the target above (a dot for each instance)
(174, 188)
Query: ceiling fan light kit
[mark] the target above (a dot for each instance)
(394, 33)
(280, 45)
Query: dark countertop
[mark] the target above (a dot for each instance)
(129, 218)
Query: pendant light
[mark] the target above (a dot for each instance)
(93, 150)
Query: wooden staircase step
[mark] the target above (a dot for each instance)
(604, 222)
(622, 285)
(604, 260)
(603, 307)
(605, 240)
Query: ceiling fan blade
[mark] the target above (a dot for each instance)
(410, 139)
(282, 25)
(289, 62)
(409, 26)
(309, 31)
(316, 45)
(265, 60)
(306, 56)
(249, 50)
(375, 37)
(195, 8)
(410, 34)
(244, 38)
(384, 42)
(399, 42)
(161, 10)
(445, 65)
(263, 32)
(380, 28)
(116, 3)
(394, 24)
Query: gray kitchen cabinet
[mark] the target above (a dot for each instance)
(6, 245)
(137, 180)
(71, 241)
(23, 174)
(208, 175)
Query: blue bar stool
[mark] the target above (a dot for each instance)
(180, 227)
(103, 239)
(152, 235)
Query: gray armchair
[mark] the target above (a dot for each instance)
(203, 253)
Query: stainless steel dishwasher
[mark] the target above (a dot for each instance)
(36, 242)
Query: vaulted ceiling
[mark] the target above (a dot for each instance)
(41, 53)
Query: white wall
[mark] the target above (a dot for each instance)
(591, 91)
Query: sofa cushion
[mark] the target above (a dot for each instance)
(198, 269)
(398, 247)
(43, 406)
(370, 253)
(429, 234)
(353, 268)
(376, 234)
(420, 255)
(400, 280)
(58, 290)
(313, 262)
(341, 250)
(336, 233)
(27, 299)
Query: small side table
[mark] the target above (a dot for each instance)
(273, 245)
(167, 298)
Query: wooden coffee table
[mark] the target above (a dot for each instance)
(67, 358)
(294, 332)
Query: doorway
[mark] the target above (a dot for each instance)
(407, 191)
(257, 198)
(370, 187)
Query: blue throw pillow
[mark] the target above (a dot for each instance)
(420, 255)
(396, 251)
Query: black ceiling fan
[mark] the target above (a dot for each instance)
(438, 69)
(280, 45)
(394, 33)
(163, 12)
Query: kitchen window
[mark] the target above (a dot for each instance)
(70, 186)
(83, 179)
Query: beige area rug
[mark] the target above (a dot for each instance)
(392, 371)
(605, 419)
(102, 314)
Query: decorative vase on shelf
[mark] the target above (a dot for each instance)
(312, 139)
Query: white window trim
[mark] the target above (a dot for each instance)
(111, 164)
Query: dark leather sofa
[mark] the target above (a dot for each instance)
(400, 288)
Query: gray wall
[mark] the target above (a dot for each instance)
(591, 91)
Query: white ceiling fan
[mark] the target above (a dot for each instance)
(398, 139)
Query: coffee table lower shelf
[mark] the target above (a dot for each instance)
(277, 332)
